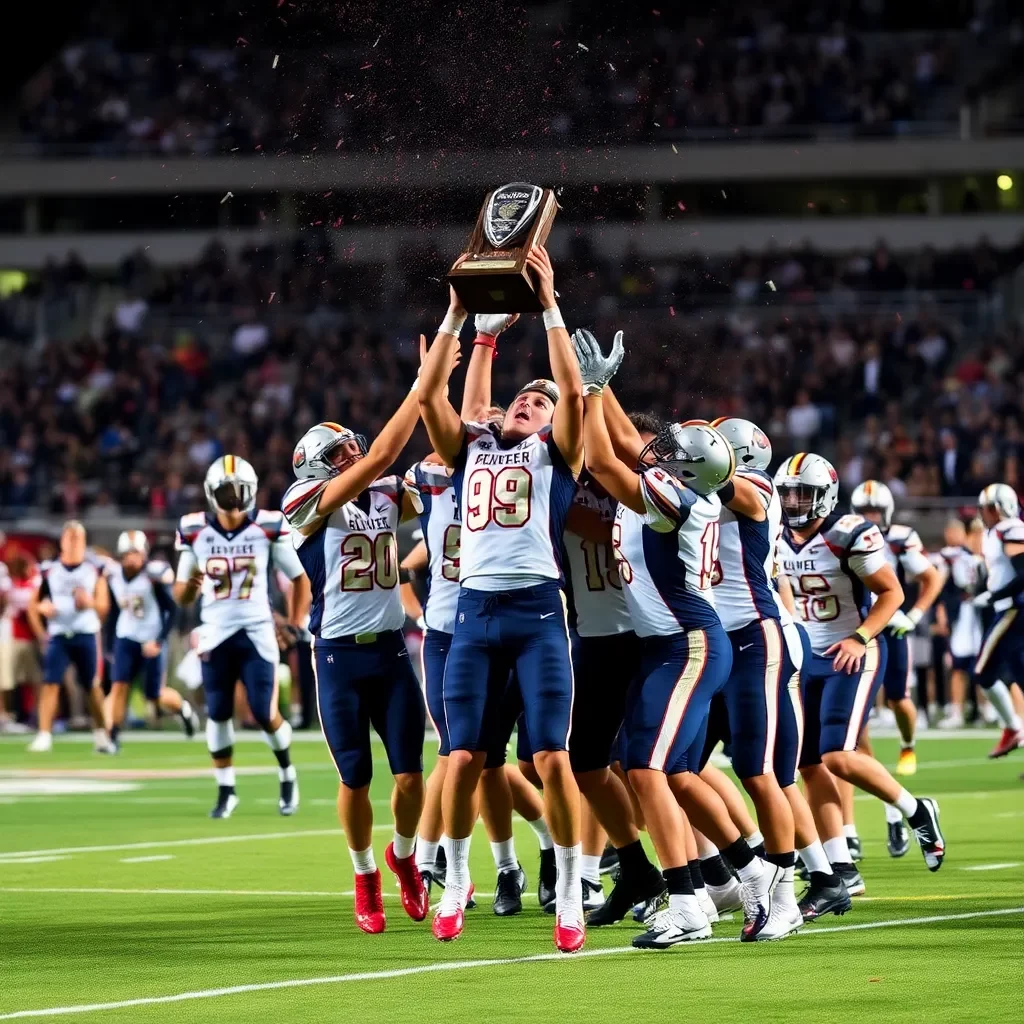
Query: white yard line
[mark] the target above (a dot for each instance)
(457, 965)
(992, 867)
(35, 860)
(147, 860)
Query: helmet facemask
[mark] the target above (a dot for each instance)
(233, 495)
(803, 502)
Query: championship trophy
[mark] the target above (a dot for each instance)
(492, 276)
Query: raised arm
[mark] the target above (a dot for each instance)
(618, 479)
(476, 391)
(749, 498)
(567, 422)
(444, 426)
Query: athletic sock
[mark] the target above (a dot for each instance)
(837, 850)
(782, 860)
(999, 697)
(426, 854)
(892, 814)
(404, 846)
(738, 854)
(540, 827)
(115, 731)
(225, 777)
(815, 859)
(906, 803)
(850, 831)
(715, 870)
(633, 860)
(288, 774)
(696, 874)
(186, 711)
(568, 889)
(590, 868)
(756, 842)
(678, 881)
(504, 854)
(362, 861)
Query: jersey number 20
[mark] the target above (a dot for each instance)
(368, 561)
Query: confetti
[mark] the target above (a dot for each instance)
(585, 49)
(377, 41)
(681, 205)
(271, 299)
(724, 196)
(671, 310)
(612, 66)
(276, 57)
(771, 284)
(227, 196)
(674, 150)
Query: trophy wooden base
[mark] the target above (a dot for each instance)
(490, 280)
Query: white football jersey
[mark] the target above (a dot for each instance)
(433, 496)
(351, 559)
(744, 585)
(514, 500)
(235, 593)
(139, 616)
(597, 594)
(668, 557)
(826, 573)
(997, 563)
(59, 584)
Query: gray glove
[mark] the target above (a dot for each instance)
(596, 369)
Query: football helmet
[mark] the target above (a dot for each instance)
(548, 388)
(697, 455)
(873, 494)
(808, 486)
(748, 440)
(231, 485)
(325, 450)
(1001, 497)
(132, 540)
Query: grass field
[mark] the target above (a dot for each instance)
(124, 903)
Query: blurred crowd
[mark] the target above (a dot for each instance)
(127, 418)
(581, 75)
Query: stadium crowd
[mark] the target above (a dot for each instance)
(127, 419)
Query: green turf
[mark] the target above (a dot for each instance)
(61, 949)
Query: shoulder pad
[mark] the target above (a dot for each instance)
(189, 527)
(903, 538)
(300, 501)
(664, 495)
(854, 535)
(756, 476)
(273, 524)
(160, 572)
(1011, 531)
(390, 486)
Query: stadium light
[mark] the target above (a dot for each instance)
(1004, 182)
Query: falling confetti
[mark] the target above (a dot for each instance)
(724, 196)
(674, 150)
(271, 299)
(612, 66)
(276, 57)
(227, 196)
(771, 284)
(585, 49)
(377, 41)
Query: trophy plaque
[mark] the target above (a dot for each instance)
(492, 276)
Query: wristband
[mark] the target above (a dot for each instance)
(406, 576)
(860, 636)
(487, 341)
(553, 319)
(452, 323)
(915, 615)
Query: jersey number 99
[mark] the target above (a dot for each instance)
(502, 498)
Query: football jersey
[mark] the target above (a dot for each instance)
(140, 614)
(997, 562)
(351, 558)
(60, 582)
(235, 564)
(906, 554)
(964, 572)
(597, 596)
(668, 556)
(826, 572)
(744, 584)
(433, 496)
(513, 499)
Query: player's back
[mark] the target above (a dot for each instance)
(997, 563)
(437, 505)
(830, 595)
(139, 616)
(514, 499)
(667, 557)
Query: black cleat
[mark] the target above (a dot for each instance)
(626, 894)
(593, 897)
(824, 896)
(897, 838)
(508, 894)
(428, 880)
(925, 824)
(188, 723)
(288, 800)
(227, 801)
(440, 867)
(851, 878)
(855, 848)
(610, 861)
(547, 877)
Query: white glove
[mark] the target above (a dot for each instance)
(596, 369)
(983, 600)
(494, 323)
(901, 624)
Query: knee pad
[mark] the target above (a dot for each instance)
(281, 738)
(220, 737)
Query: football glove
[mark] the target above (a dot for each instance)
(983, 600)
(596, 369)
(901, 624)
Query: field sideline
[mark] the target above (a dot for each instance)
(121, 901)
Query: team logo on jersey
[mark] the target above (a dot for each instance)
(299, 457)
(484, 445)
(381, 508)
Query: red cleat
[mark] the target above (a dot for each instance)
(1011, 739)
(448, 926)
(415, 901)
(370, 904)
(569, 937)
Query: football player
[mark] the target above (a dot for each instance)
(224, 558)
(515, 485)
(141, 592)
(66, 616)
(665, 539)
(831, 561)
(1003, 644)
(345, 515)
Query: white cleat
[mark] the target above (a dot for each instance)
(757, 900)
(785, 917)
(288, 801)
(672, 926)
(707, 904)
(726, 898)
(101, 742)
(42, 744)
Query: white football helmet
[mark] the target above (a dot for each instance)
(874, 495)
(132, 540)
(696, 454)
(808, 486)
(325, 450)
(231, 485)
(748, 440)
(1001, 497)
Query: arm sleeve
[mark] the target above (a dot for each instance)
(286, 558)
(667, 503)
(168, 610)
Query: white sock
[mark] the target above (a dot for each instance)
(543, 835)
(404, 846)
(287, 774)
(999, 697)
(281, 738)
(504, 854)
(837, 851)
(568, 890)
(892, 814)
(457, 877)
(225, 776)
(906, 803)
(755, 838)
(705, 848)
(362, 861)
(186, 710)
(426, 854)
(850, 831)
(815, 859)
(590, 868)
(684, 903)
